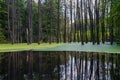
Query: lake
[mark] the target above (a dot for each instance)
(54, 65)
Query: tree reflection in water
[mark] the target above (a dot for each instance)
(59, 66)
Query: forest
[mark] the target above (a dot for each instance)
(37, 21)
(59, 39)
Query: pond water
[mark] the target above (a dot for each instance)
(59, 66)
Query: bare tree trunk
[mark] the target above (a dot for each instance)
(82, 30)
(13, 21)
(65, 21)
(39, 21)
(97, 19)
(18, 21)
(74, 32)
(51, 24)
(103, 23)
(79, 22)
(111, 26)
(91, 21)
(58, 22)
(71, 12)
(86, 22)
(78, 19)
(30, 17)
(107, 23)
(8, 22)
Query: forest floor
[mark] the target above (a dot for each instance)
(89, 47)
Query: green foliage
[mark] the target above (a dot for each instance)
(46, 18)
(2, 37)
(22, 10)
(115, 16)
(2, 21)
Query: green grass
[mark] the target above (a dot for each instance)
(89, 47)
(25, 47)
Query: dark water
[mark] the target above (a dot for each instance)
(59, 66)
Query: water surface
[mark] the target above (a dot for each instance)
(59, 66)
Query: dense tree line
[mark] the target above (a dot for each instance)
(59, 21)
(28, 21)
(114, 19)
(3, 18)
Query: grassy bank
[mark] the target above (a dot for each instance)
(104, 48)
(25, 47)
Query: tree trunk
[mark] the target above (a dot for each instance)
(82, 30)
(91, 21)
(97, 19)
(86, 22)
(39, 21)
(8, 22)
(13, 21)
(51, 24)
(71, 12)
(30, 17)
(65, 21)
(58, 22)
(103, 23)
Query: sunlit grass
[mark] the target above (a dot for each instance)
(24, 46)
(89, 47)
